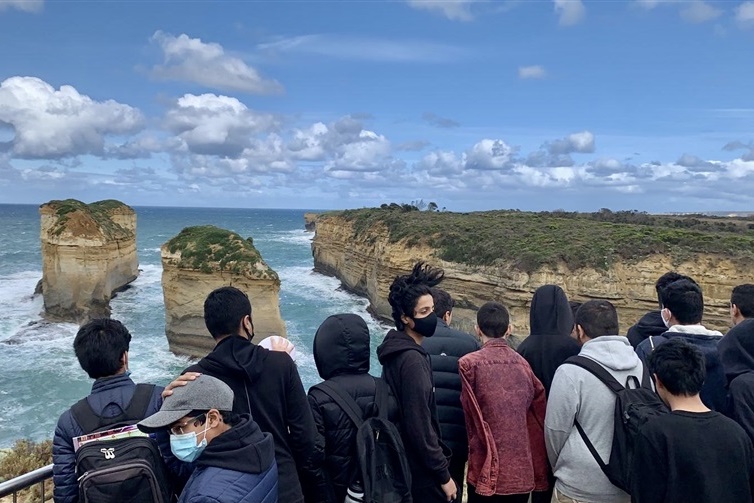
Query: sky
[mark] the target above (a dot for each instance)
(474, 105)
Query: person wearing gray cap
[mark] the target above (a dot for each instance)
(234, 460)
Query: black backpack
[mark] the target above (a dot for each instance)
(382, 470)
(127, 470)
(635, 404)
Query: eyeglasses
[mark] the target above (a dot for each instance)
(178, 428)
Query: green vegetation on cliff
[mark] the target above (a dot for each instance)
(207, 248)
(23, 457)
(100, 212)
(532, 240)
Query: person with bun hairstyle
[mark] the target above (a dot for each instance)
(406, 368)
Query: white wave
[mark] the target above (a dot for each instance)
(298, 237)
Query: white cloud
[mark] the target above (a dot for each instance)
(699, 11)
(648, 4)
(570, 12)
(532, 72)
(457, 10)
(24, 5)
(490, 154)
(366, 48)
(50, 123)
(216, 125)
(745, 14)
(207, 64)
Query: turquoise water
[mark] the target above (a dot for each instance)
(39, 374)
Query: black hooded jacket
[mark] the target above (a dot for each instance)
(406, 368)
(341, 353)
(445, 348)
(650, 324)
(266, 384)
(550, 342)
(736, 351)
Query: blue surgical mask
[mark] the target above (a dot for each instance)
(184, 446)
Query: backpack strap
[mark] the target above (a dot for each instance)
(344, 401)
(590, 446)
(90, 421)
(597, 371)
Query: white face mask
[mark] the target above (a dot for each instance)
(666, 322)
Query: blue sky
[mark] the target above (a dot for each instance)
(574, 104)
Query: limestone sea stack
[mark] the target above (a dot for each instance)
(310, 221)
(200, 259)
(88, 254)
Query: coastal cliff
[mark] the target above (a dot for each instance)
(201, 259)
(88, 254)
(506, 256)
(310, 221)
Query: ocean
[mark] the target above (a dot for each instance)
(39, 374)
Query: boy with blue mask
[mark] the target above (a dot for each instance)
(234, 461)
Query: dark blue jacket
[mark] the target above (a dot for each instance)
(110, 396)
(238, 466)
(714, 392)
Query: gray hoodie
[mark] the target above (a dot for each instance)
(577, 394)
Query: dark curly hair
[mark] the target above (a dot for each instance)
(406, 290)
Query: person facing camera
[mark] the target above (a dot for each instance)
(234, 460)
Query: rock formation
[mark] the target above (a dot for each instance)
(367, 260)
(310, 221)
(88, 254)
(201, 259)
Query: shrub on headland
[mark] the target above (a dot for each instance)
(528, 241)
(23, 457)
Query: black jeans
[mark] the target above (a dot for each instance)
(508, 498)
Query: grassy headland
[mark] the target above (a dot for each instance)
(529, 240)
(207, 248)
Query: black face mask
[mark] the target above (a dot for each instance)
(250, 334)
(426, 326)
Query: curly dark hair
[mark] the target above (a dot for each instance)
(406, 290)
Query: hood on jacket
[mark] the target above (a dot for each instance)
(396, 342)
(737, 350)
(550, 313)
(341, 346)
(235, 356)
(650, 324)
(693, 330)
(243, 448)
(612, 351)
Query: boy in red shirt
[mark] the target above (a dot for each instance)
(504, 404)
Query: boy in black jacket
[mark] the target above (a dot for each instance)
(406, 368)
(692, 453)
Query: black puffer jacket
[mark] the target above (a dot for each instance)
(445, 348)
(650, 325)
(737, 357)
(341, 353)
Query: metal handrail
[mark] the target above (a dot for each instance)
(14, 485)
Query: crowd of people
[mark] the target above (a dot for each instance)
(546, 421)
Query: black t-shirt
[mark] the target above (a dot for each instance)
(700, 457)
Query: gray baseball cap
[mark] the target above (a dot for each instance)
(203, 393)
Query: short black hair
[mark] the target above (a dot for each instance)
(680, 366)
(742, 297)
(229, 417)
(224, 309)
(406, 290)
(493, 320)
(685, 301)
(443, 301)
(597, 318)
(665, 280)
(99, 346)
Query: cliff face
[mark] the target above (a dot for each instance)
(201, 259)
(367, 262)
(88, 253)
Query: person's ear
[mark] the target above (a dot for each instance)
(214, 418)
(734, 311)
(478, 332)
(581, 334)
(447, 317)
(508, 332)
(124, 360)
(407, 321)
